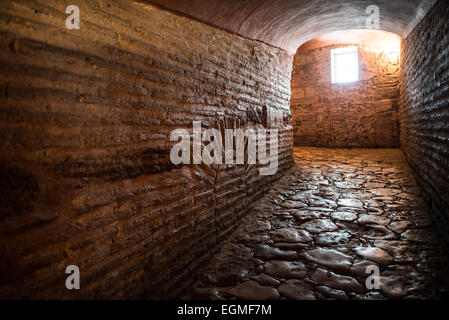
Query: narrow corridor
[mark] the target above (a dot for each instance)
(166, 149)
(313, 236)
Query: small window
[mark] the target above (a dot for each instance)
(345, 65)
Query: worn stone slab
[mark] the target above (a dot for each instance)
(319, 226)
(399, 226)
(332, 238)
(265, 279)
(373, 219)
(336, 281)
(252, 290)
(285, 269)
(266, 252)
(374, 254)
(329, 258)
(359, 268)
(344, 216)
(354, 203)
(332, 293)
(290, 235)
(297, 290)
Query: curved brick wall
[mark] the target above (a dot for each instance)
(288, 24)
(359, 114)
(85, 171)
(424, 111)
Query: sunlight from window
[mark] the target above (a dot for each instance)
(345, 65)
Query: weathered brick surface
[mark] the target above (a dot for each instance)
(85, 122)
(361, 114)
(424, 110)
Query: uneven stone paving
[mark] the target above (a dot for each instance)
(313, 236)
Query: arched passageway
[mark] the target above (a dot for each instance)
(288, 24)
(91, 113)
(339, 213)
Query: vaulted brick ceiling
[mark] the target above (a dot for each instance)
(289, 23)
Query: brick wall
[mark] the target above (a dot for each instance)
(85, 122)
(360, 114)
(424, 110)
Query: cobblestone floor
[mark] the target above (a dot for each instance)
(335, 213)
